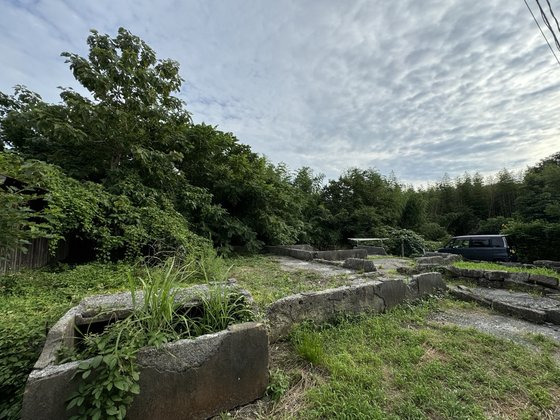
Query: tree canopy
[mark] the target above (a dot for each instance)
(125, 165)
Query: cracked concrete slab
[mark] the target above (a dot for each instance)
(533, 308)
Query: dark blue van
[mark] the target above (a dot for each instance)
(480, 247)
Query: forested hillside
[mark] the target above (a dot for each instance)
(127, 172)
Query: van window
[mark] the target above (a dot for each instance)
(458, 243)
(480, 243)
(497, 242)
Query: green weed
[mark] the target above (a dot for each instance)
(493, 266)
(401, 365)
(110, 357)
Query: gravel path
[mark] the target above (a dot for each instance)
(502, 326)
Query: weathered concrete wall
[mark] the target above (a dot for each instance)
(193, 378)
(300, 254)
(308, 255)
(372, 250)
(487, 277)
(373, 296)
(341, 254)
(522, 305)
(367, 266)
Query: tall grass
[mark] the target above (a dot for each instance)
(493, 266)
(158, 317)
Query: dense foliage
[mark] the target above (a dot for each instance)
(126, 170)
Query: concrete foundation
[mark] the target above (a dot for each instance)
(192, 378)
(522, 305)
(496, 278)
(373, 296)
(308, 255)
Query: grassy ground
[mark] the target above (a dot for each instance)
(33, 300)
(402, 365)
(396, 365)
(494, 266)
(267, 281)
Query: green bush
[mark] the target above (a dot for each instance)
(403, 241)
(31, 302)
(493, 225)
(537, 240)
(117, 225)
(433, 232)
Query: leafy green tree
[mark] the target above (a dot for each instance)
(362, 201)
(414, 211)
(134, 137)
(539, 198)
(128, 122)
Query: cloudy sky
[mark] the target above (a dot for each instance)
(419, 88)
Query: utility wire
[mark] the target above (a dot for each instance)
(547, 23)
(544, 36)
(552, 13)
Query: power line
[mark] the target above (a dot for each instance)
(552, 13)
(544, 36)
(547, 23)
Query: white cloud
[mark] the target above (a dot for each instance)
(420, 88)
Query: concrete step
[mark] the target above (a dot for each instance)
(538, 309)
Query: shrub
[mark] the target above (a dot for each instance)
(403, 241)
(493, 225)
(433, 232)
(118, 226)
(537, 240)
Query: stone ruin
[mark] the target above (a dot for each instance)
(189, 378)
(210, 374)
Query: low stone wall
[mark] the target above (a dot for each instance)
(300, 254)
(194, 378)
(308, 255)
(553, 265)
(372, 250)
(522, 305)
(373, 296)
(367, 266)
(436, 258)
(487, 277)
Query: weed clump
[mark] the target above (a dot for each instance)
(109, 371)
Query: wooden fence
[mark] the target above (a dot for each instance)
(37, 256)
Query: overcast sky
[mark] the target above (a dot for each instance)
(419, 88)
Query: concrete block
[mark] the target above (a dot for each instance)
(196, 378)
(427, 284)
(366, 266)
(201, 377)
(546, 281)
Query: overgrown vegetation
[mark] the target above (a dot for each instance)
(493, 266)
(127, 170)
(108, 369)
(402, 365)
(34, 300)
(124, 173)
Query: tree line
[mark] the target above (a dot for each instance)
(127, 171)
